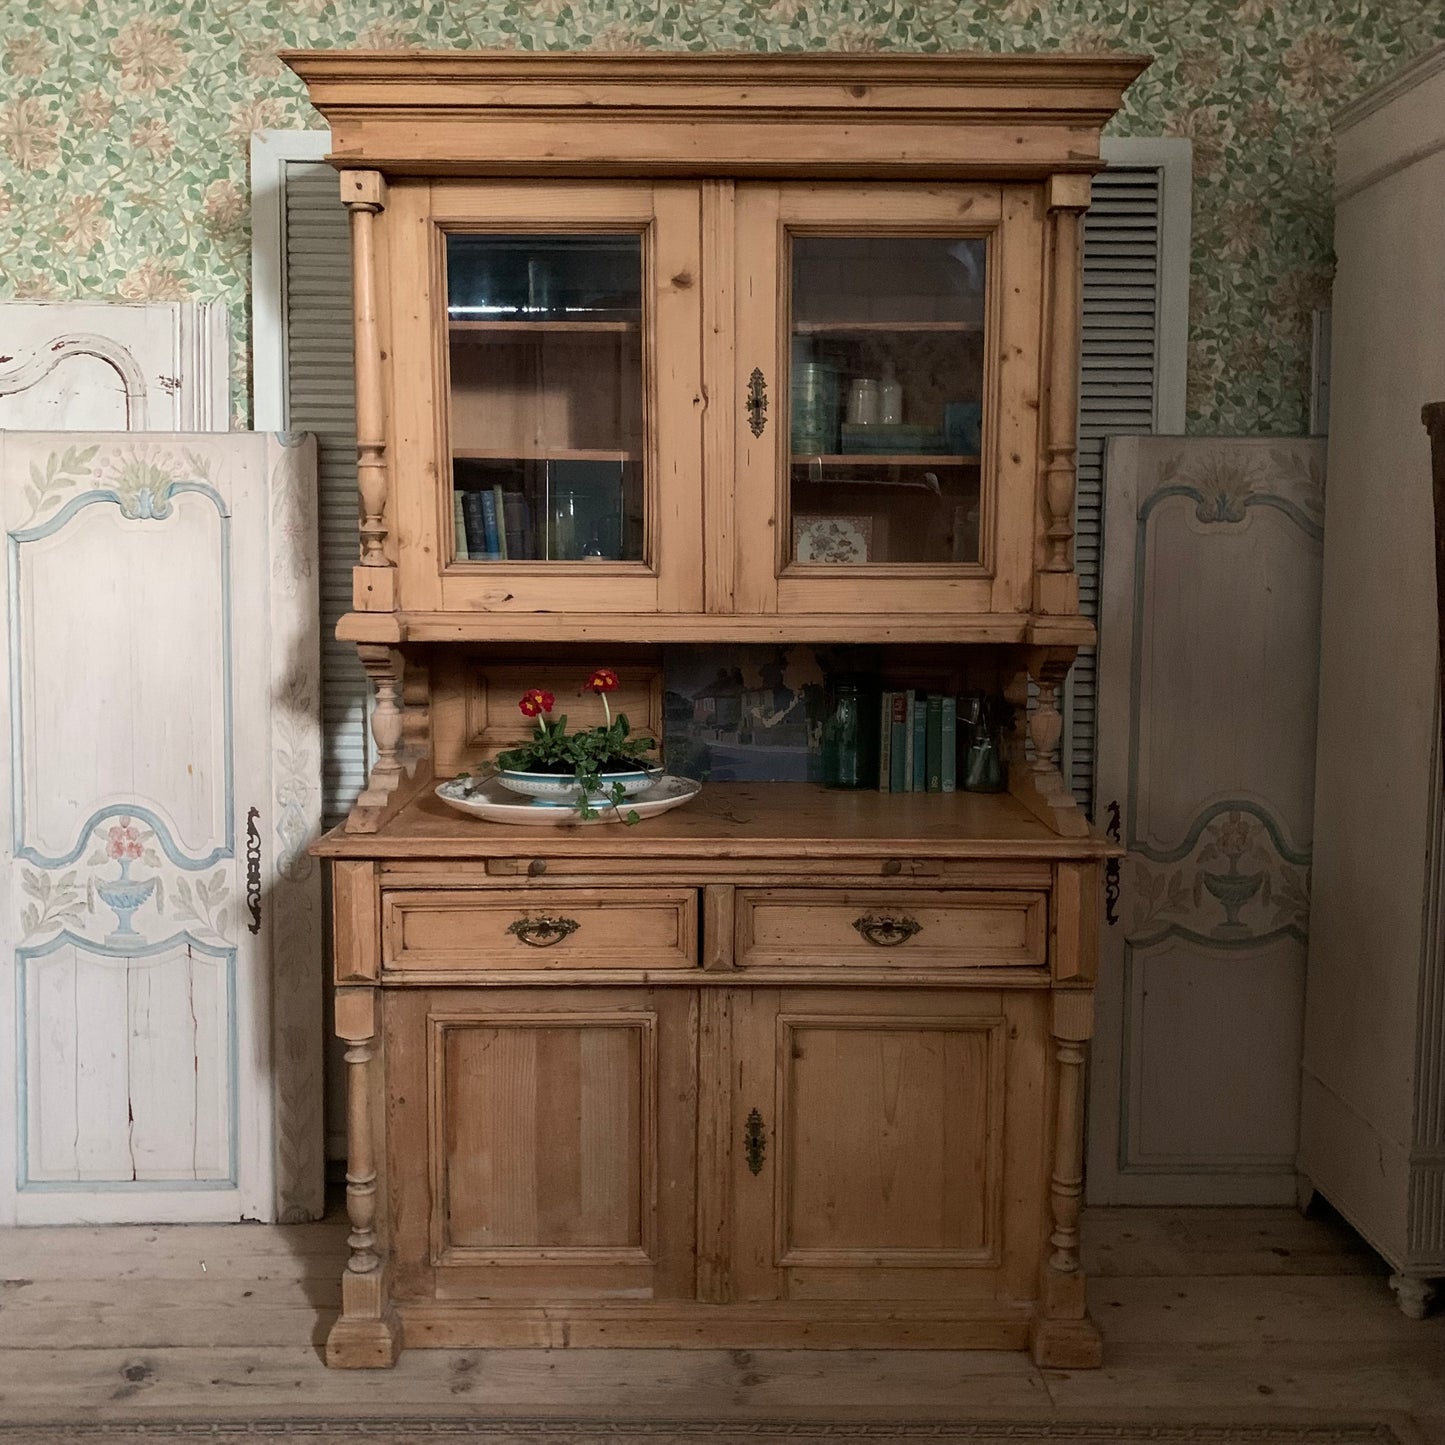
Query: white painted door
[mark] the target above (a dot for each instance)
(1208, 677)
(154, 366)
(162, 781)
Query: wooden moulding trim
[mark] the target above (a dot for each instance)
(395, 627)
(690, 114)
(1012, 977)
(407, 67)
(486, 841)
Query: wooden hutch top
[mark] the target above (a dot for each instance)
(737, 114)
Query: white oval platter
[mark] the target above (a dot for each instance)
(494, 804)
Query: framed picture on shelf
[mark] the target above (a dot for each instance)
(837, 540)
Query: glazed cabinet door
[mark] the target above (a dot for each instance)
(541, 1143)
(887, 393)
(888, 1144)
(546, 390)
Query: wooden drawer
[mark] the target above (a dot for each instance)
(515, 930)
(878, 928)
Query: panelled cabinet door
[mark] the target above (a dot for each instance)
(886, 392)
(108, 366)
(161, 931)
(1208, 683)
(887, 1144)
(542, 1143)
(547, 376)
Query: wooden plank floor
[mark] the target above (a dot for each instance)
(1208, 1314)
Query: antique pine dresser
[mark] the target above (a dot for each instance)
(787, 1066)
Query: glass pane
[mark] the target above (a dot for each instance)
(545, 336)
(886, 398)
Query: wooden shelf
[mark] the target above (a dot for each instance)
(1063, 630)
(884, 459)
(817, 328)
(742, 820)
(524, 328)
(551, 454)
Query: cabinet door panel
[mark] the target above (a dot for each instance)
(559, 340)
(896, 1150)
(895, 332)
(561, 1156)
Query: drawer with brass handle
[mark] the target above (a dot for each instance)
(913, 928)
(487, 930)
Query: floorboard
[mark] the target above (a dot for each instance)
(1207, 1314)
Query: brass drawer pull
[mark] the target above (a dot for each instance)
(755, 1142)
(886, 931)
(543, 932)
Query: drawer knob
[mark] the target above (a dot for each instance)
(543, 932)
(885, 930)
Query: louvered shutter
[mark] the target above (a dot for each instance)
(1118, 394)
(321, 399)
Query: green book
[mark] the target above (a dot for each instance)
(950, 744)
(885, 742)
(918, 778)
(459, 526)
(935, 743)
(909, 738)
(898, 745)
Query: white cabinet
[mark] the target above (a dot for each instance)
(1373, 1100)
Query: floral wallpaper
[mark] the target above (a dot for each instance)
(124, 128)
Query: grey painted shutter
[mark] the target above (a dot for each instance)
(1117, 395)
(321, 398)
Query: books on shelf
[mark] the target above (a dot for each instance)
(918, 742)
(493, 524)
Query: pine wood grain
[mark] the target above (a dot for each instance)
(1244, 1366)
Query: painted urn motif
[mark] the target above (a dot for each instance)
(1232, 888)
(125, 894)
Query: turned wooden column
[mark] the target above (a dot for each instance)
(1064, 1336)
(373, 580)
(1034, 777)
(367, 1334)
(1055, 587)
(401, 728)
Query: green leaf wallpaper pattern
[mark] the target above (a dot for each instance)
(124, 129)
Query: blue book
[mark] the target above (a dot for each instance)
(950, 744)
(476, 527)
(919, 780)
(935, 743)
(492, 525)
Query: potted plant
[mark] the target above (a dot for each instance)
(596, 767)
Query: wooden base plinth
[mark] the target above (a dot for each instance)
(1066, 1344)
(452, 1325)
(364, 1344)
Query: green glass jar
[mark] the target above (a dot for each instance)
(850, 735)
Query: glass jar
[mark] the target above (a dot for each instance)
(850, 735)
